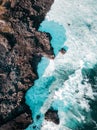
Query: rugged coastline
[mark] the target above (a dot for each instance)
(21, 49)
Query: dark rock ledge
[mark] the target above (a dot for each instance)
(52, 115)
(21, 49)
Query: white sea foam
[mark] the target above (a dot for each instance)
(70, 91)
(74, 105)
(81, 40)
(79, 18)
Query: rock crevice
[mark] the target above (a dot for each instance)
(21, 49)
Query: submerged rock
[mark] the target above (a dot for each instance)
(52, 115)
(21, 48)
(63, 51)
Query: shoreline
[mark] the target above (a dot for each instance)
(22, 47)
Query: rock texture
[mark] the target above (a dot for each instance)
(52, 115)
(21, 49)
(18, 123)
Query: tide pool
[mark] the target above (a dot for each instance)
(57, 33)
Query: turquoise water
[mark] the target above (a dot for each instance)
(73, 95)
(37, 94)
(42, 66)
(66, 90)
(57, 33)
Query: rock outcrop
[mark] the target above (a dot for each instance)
(21, 49)
(52, 115)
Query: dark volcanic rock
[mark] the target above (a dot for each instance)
(52, 115)
(63, 51)
(19, 123)
(21, 49)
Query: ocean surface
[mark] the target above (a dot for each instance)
(68, 83)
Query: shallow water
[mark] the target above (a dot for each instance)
(57, 33)
(39, 93)
(69, 82)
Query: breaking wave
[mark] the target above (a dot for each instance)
(68, 83)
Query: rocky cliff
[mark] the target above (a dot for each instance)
(21, 49)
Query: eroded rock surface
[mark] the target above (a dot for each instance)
(52, 115)
(21, 49)
(19, 123)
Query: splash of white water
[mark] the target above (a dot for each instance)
(67, 93)
(79, 17)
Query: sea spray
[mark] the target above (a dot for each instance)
(37, 94)
(72, 92)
